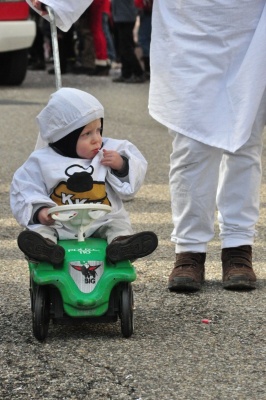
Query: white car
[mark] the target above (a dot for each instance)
(17, 33)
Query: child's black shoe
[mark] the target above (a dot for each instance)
(131, 247)
(36, 247)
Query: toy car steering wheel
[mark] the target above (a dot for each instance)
(79, 216)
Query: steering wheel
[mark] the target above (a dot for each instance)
(79, 216)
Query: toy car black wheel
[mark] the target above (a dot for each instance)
(126, 310)
(32, 294)
(41, 313)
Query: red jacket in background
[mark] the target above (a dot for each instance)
(107, 7)
(144, 4)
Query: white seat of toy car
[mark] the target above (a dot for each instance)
(79, 216)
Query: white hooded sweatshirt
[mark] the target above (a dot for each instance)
(48, 179)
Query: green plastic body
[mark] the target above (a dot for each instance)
(76, 302)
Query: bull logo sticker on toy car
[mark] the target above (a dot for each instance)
(86, 275)
(80, 188)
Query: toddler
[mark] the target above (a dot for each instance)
(78, 166)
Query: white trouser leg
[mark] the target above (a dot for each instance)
(112, 230)
(194, 172)
(239, 191)
(108, 231)
(46, 231)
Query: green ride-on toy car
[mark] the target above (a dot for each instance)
(86, 287)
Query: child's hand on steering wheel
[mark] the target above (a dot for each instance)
(44, 218)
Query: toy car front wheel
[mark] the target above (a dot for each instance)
(126, 310)
(41, 313)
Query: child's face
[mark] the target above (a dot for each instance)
(90, 140)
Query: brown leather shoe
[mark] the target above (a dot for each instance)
(237, 268)
(188, 273)
(131, 247)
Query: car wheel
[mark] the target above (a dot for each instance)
(126, 310)
(13, 67)
(41, 313)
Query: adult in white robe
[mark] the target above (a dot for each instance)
(207, 87)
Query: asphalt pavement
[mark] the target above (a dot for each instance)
(172, 354)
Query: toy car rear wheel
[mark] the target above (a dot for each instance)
(126, 310)
(32, 293)
(41, 313)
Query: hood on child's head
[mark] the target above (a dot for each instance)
(67, 110)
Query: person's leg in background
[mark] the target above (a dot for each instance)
(109, 38)
(36, 52)
(95, 16)
(131, 71)
(144, 39)
(86, 52)
(66, 51)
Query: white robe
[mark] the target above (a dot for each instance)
(208, 72)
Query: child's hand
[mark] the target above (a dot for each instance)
(45, 218)
(112, 159)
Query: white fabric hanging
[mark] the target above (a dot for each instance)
(208, 71)
(66, 11)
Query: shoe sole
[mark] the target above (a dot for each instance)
(184, 285)
(137, 246)
(35, 246)
(239, 284)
